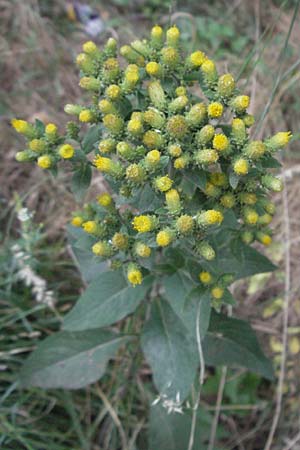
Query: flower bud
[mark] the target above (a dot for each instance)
(209, 72)
(196, 59)
(272, 183)
(23, 156)
(205, 277)
(107, 145)
(212, 191)
(131, 55)
(113, 123)
(157, 36)
(173, 35)
(248, 198)
(142, 250)
(215, 110)
(113, 92)
(125, 150)
(255, 150)
(154, 69)
(241, 166)
(218, 179)
(196, 115)
(23, 127)
(86, 116)
(37, 145)
(105, 200)
(90, 227)
(268, 206)
(265, 219)
(90, 84)
(217, 292)
(111, 70)
(226, 85)
(238, 131)
(178, 103)
(248, 120)
(120, 241)
(209, 217)
(170, 57)
(206, 251)
(205, 135)
(154, 118)
(134, 274)
(247, 237)
(51, 131)
(141, 47)
(206, 156)
(173, 201)
(135, 127)
(156, 94)
(165, 237)
(44, 162)
(107, 107)
(264, 238)
(66, 151)
(181, 162)
(227, 200)
(163, 184)
(152, 158)
(185, 224)
(106, 165)
(110, 48)
(177, 127)
(90, 48)
(152, 139)
(103, 248)
(135, 173)
(85, 63)
(174, 150)
(250, 216)
(77, 221)
(240, 103)
(73, 110)
(279, 140)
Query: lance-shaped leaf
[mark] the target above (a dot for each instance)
(232, 342)
(107, 299)
(71, 360)
(170, 353)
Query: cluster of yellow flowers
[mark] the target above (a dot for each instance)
(191, 153)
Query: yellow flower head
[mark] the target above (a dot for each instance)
(241, 166)
(175, 150)
(250, 216)
(153, 69)
(21, 126)
(51, 129)
(102, 248)
(106, 107)
(44, 162)
(142, 250)
(280, 140)
(208, 68)
(104, 199)
(153, 157)
(77, 221)
(113, 92)
(205, 277)
(264, 238)
(163, 184)
(157, 32)
(143, 224)
(173, 201)
(185, 224)
(89, 47)
(135, 173)
(181, 162)
(255, 150)
(220, 142)
(173, 35)
(152, 139)
(120, 241)
(215, 110)
(103, 164)
(240, 103)
(135, 127)
(217, 292)
(210, 217)
(134, 275)
(86, 116)
(180, 90)
(90, 226)
(226, 85)
(197, 58)
(164, 238)
(66, 151)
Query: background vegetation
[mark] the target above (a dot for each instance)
(259, 42)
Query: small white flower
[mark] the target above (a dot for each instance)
(24, 214)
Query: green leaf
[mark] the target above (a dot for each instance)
(107, 300)
(233, 180)
(147, 200)
(90, 138)
(40, 127)
(169, 352)
(81, 181)
(172, 431)
(232, 342)
(184, 298)
(71, 360)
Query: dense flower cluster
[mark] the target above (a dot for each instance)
(173, 131)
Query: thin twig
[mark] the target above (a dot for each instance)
(201, 379)
(215, 422)
(287, 259)
(291, 443)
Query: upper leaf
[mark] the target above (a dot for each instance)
(169, 352)
(106, 300)
(71, 360)
(232, 342)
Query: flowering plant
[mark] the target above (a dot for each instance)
(187, 193)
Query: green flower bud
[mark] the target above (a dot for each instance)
(196, 115)
(205, 135)
(72, 129)
(157, 37)
(135, 173)
(156, 94)
(154, 118)
(73, 110)
(272, 183)
(103, 248)
(240, 103)
(174, 150)
(107, 107)
(185, 224)
(111, 70)
(247, 237)
(227, 201)
(85, 63)
(177, 127)
(209, 72)
(110, 48)
(280, 140)
(255, 150)
(170, 57)
(107, 145)
(125, 150)
(173, 35)
(120, 241)
(113, 123)
(248, 120)
(142, 250)
(173, 201)
(178, 103)
(268, 206)
(206, 156)
(141, 47)
(131, 55)
(238, 131)
(152, 139)
(23, 156)
(206, 251)
(226, 85)
(90, 84)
